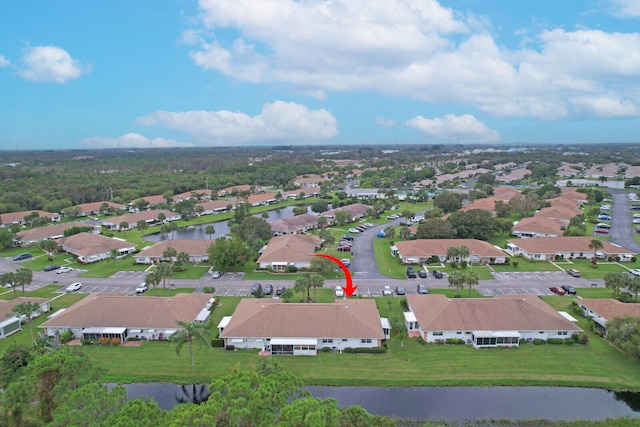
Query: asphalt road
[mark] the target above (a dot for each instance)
(622, 229)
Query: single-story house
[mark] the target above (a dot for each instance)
(301, 194)
(11, 323)
(291, 249)
(118, 316)
(420, 250)
(601, 310)
(295, 224)
(356, 210)
(536, 226)
(151, 200)
(95, 208)
(262, 199)
(566, 247)
(302, 329)
(150, 217)
(236, 189)
(89, 247)
(217, 206)
(197, 250)
(309, 181)
(194, 194)
(7, 219)
(485, 322)
(365, 193)
(49, 232)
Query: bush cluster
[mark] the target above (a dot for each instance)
(208, 289)
(217, 342)
(455, 341)
(369, 350)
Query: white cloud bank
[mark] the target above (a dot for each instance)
(50, 64)
(466, 129)
(422, 50)
(277, 122)
(4, 62)
(132, 140)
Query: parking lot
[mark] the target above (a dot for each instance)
(494, 292)
(531, 275)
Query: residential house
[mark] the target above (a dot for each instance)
(420, 250)
(289, 250)
(517, 174)
(217, 206)
(150, 217)
(566, 247)
(49, 232)
(11, 323)
(263, 199)
(203, 194)
(601, 310)
(303, 329)
(294, 225)
(89, 247)
(236, 189)
(485, 322)
(95, 208)
(118, 316)
(535, 226)
(197, 250)
(365, 193)
(152, 200)
(501, 194)
(301, 193)
(356, 210)
(7, 219)
(309, 181)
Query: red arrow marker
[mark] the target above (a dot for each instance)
(349, 289)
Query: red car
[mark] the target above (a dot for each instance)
(557, 291)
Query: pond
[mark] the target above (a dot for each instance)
(196, 232)
(445, 403)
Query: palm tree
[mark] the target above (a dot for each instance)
(210, 230)
(471, 279)
(595, 244)
(142, 225)
(633, 284)
(9, 279)
(28, 309)
(316, 282)
(464, 252)
(153, 278)
(169, 253)
(191, 332)
(113, 254)
(23, 276)
(172, 227)
(615, 281)
(389, 232)
(164, 271)
(123, 226)
(453, 252)
(456, 280)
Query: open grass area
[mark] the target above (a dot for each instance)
(598, 271)
(387, 264)
(526, 265)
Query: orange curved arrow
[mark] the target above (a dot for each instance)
(349, 289)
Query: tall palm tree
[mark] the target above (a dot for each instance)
(23, 276)
(633, 283)
(464, 252)
(9, 279)
(452, 253)
(28, 309)
(153, 278)
(471, 279)
(615, 281)
(595, 244)
(164, 271)
(169, 253)
(456, 280)
(210, 230)
(191, 332)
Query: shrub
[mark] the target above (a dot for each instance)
(209, 290)
(292, 269)
(537, 341)
(87, 342)
(132, 339)
(217, 342)
(103, 341)
(522, 341)
(421, 340)
(326, 349)
(555, 341)
(433, 260)
(575, 337)
(455, 341)
(453, 265)
(369, 350)
(115, 341)
(515, 263)
(404, 304)
(348, 350)
(463, 264)
(569, 341)
(66, 336)
(585, 339)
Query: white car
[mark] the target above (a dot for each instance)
(368, 224)
(216, 274)
(141, 288)
(339, 292)
(387, 292)
(393, 216)
(636, 221)
(353, 230)
(635, 272)
(74, 287)
(64, 270)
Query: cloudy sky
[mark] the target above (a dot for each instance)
(122, 73)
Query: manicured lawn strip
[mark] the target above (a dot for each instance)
(594, 292)
(526, 265)
(108, 268)
(598, 272)
(387, 264)
(483, 272)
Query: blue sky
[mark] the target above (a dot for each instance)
(79, 74)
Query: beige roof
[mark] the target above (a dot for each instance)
(259, 198)
(290, 248)
(188, 194)
(610, 308)
(11, 217)
(192, 247)
(133, 218)
(105, 310)
(514, 175)
(424, 248)
(552, 245)
(270, 318)
(47, 232)
(237, 188)
(7, 306)
(154, 200)
(540, 225)
(95, 206)
(217, 204)
(558, 212)
(294, 223)
(86, 244)
(309, 179)
(503, 194)
(354, 209)
(517, 312)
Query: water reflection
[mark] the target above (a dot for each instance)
(194, 393)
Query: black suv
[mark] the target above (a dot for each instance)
(569, 289)
(437, 274)
(422, 274)
(268, 289)
(411, 274)
(51, 267)
(422, 289)
(256, 290)
(21, 257)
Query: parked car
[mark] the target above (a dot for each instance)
(573, 272)
(22, 257)
(368, 224)
(437, 274)
(604, 218)
(217, 274)
(346, 262)
(74, 287)
(141, 288)
(557, 291)
(637, 229)
(51, 267)
(422, 274)
(411, 274)
(601, 230)
(636, 221)
(280, 290)
(422, 289)
(62, 270)
(350, 238)
(393, 216)
(635, 272)
(256, 289)
(354, 230)
(268, 289)
(338, 291)
(569, 289)
(387, 292)
(400, 290)
(344, 248)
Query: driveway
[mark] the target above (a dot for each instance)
(621, 231)
(364, 265)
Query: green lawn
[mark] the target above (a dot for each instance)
(526, 265)
(387, 264)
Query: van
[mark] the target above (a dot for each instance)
(21, 257)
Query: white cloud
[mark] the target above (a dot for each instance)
(626, 8)
(51, 64)
(417, 49)
(132, 140)
(382, 121)
(466, 128)
(4, 62)
(277, 122)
